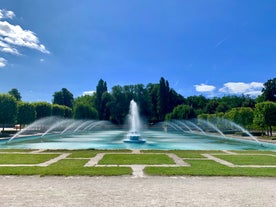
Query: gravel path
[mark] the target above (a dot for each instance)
(128, 191)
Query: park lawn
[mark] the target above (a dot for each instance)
(68, 167)
(25, 158)
(184, 153)
(85, 153)
(135, 159)
(16, 150)
(254, 152)
(249, 159)
(208, 168)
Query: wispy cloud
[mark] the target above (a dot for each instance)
(252, 89)
(204, 88)
(90, 93)
(3, 62)
(13, 37)
(6, 14)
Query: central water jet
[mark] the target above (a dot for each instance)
(134, 135)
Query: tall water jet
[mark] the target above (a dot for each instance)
(133, 135)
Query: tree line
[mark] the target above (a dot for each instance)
(157, 102)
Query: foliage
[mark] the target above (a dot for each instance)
(265, 115)
(15, 93)
(181, 112)
(269, 90)
(84, 111)
(43, 109)
(26, 113)
(242, 116)
(99, 103)
(8, 109)
(58, 110)
(63, 97)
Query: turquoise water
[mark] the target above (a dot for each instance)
(155, 140)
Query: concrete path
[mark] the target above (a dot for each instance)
(32, 191)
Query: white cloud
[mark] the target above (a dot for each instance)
(204, 88)
(3, 62)
(6, 14)
(89, 93)
(15, 35)
(41, 60)
(252, 89)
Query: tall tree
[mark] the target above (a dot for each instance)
(269, 90)
(265, 115)
(15, 93)
(163, 98)
(8, 109)
(26, 113)
(63, 97)
(100, 104)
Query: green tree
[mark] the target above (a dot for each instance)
(181, 112)
(26, 113)
(43, 109)
(84, 111)
(15, 93)
(100, 104)
(242, 116)
(58, 110)
(265, 115)
(269, 90)
(8, 109)
(63, 97)
(163, 98)
(118, 105)
(153, 96)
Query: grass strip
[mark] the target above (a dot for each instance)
(16, 150)
(135, 159)
(209, 168)
(67, 168)
(25, 158)
(249, 159)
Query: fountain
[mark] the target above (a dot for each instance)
(133, 135)
(195, 134)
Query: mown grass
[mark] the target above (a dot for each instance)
(209, 168)
(184, 153)
(16, 150)
(67, 167)
(253, 152)
(249, 159)
(135, 159)
(85, 153)
(25, 158)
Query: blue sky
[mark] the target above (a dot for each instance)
(209, 47)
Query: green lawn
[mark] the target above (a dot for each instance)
(137, 159)
(249, 159)
(25, 158)
(209, 168)
(72, 166)
(67, 167)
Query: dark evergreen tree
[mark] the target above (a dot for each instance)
(100, 105)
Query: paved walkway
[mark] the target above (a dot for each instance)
(124, 191)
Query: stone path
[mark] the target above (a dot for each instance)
(125, 191)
